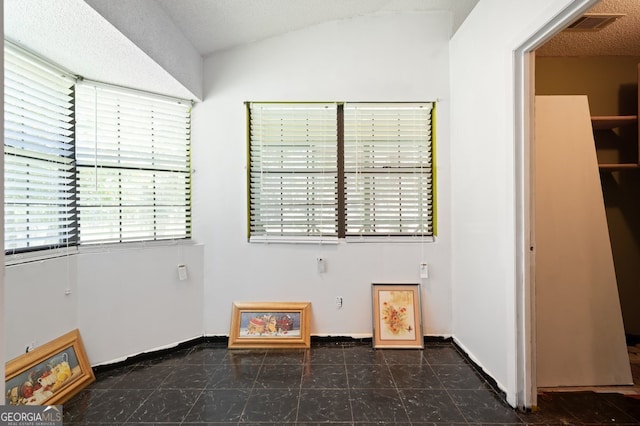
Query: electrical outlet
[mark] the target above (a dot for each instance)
(339, 302)
(31, 346)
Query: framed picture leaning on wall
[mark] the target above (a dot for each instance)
(270, 325)
(397, 316)
(50, 374)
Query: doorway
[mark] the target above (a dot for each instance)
(603, 65)
(525, 91)
(524, 61)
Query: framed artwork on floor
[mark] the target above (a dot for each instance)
(50, 374)
(397, 316)
(270, 325)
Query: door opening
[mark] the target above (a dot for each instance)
(524, 62)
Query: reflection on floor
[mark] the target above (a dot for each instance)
(333, 383)
(634, 358)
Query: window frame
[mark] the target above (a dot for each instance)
(125, 160)
(16, 255)
(396, 168)
(40, 159)
(341, 191)
(309, 120)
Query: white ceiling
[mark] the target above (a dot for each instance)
(76, 35)
(621, 38)
(214, 25)
(73, 35)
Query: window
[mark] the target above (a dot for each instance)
(38, 154)
(340, 170)
(90, 163)
(387, 167)
(293, 170)
(133, 160)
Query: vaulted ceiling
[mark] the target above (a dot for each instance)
(151, 44)
(82, 36)
(213, 25)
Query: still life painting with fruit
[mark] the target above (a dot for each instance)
(270, 324)
(42, 381)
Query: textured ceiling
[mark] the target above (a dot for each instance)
(621, 38)
(213, 25)
(77, 35)
(73, 35)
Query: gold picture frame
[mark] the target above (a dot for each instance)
(270, 325)
(397, 316)
(50, 374)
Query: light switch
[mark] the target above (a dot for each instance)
(182, 272)
(322, 265)
(424, 270)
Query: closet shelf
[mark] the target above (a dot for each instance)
(612, 121)
(618, 167)
(630, 160)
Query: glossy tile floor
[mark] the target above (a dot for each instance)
(332, 383)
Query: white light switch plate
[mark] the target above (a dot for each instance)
(424, 270)
(182, 272)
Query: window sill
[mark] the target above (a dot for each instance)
(273, 239)
(388, 239)
(335, 240)
(40, 255)
(137, 245)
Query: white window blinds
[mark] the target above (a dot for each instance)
(340, 170)
(388, 169)
(293, 169)
(38, 153)
(133, 160)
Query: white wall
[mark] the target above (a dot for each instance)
(132, 301)
(483, 179)
(388, 57)
(36, 308)
(124, 301)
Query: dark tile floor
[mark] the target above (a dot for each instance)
(332, 383)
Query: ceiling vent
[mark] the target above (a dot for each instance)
(594, 21)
